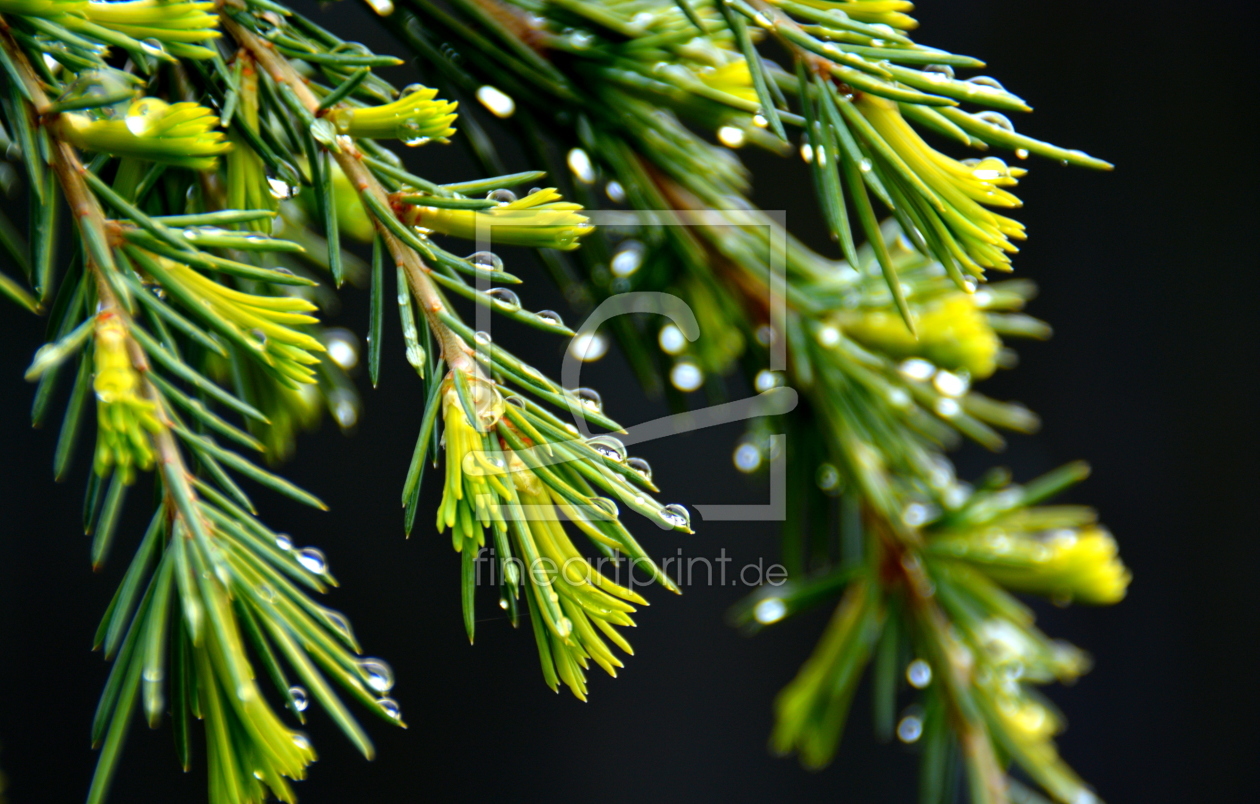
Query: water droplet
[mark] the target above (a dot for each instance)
(505, 299)
(590, 399)
(378, 675)
(671, 340)
(481, 337)
(987, 82)
(947, 407)
(767, 379)
(951, 384)
(865, 165)
(515, 401)
(730, 136)
(916, 514)
(641, 468)
(313, 559)
(686, 376)
(486, 260)
(606, 506)
(503, 601)
(938, 73)
(301, 742)
(499, 103)
(676, 516)
(580, 163)
(770, 610)
(191, 234)
(1021, 153)
(919, 674)
(390, 707)
(414, 142)
(266, 592)
(829, 336)
(616, 193)
(759, 121)
(910, 729)
(564, 627)
(345, 410)
(628, 259)
(550, 317)
(284, 541)
(588, 346)
(608, 446)
(917, 369)
(747, 457)
(280, 189)
(828, 478)
(343, 347)
(300, 699)
(581, 40)
(383, 8)
(807, 152)
(501, 196)
(143, 114)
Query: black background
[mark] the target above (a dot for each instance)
(1150, 281)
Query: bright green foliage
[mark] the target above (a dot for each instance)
(239, 141)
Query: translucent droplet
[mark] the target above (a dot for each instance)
(588, 346)
(550, 317)
(747, 457)
(383, 8)
(919, 674)
(616, 193)
(917, 369)
(301, 742)
(686, 376)
(143, 114)
(481, 337)
(390, 707)
(191, 234)
(828, 336)
(865, 165)
(280, 189)
(730, 136)
(947, 407)
(671, 340)
(938, 73)
(807, 152)
(606, 506)
(767, 379)
(641, 467)
(300, 700)
(950, 384)
(770, 610)
(345, 410)
(378, 675)
(498, 102)
(580, 163)
(284, 541)
(1021, 153)
(628, 259)
(503, 601)
(759, 121)
(608, 446)
(828, 478)
(910, 729)
(676, 516)
(486, 260)
(515, 401)
(343, 347)
(590, 399)
(916, 514)
(313, 559)
(505, 299)
(581, 40)
(501, 196)
(564, 627)
(986, 82)
(414, 142)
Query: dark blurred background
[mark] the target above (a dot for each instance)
(1151, 287)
